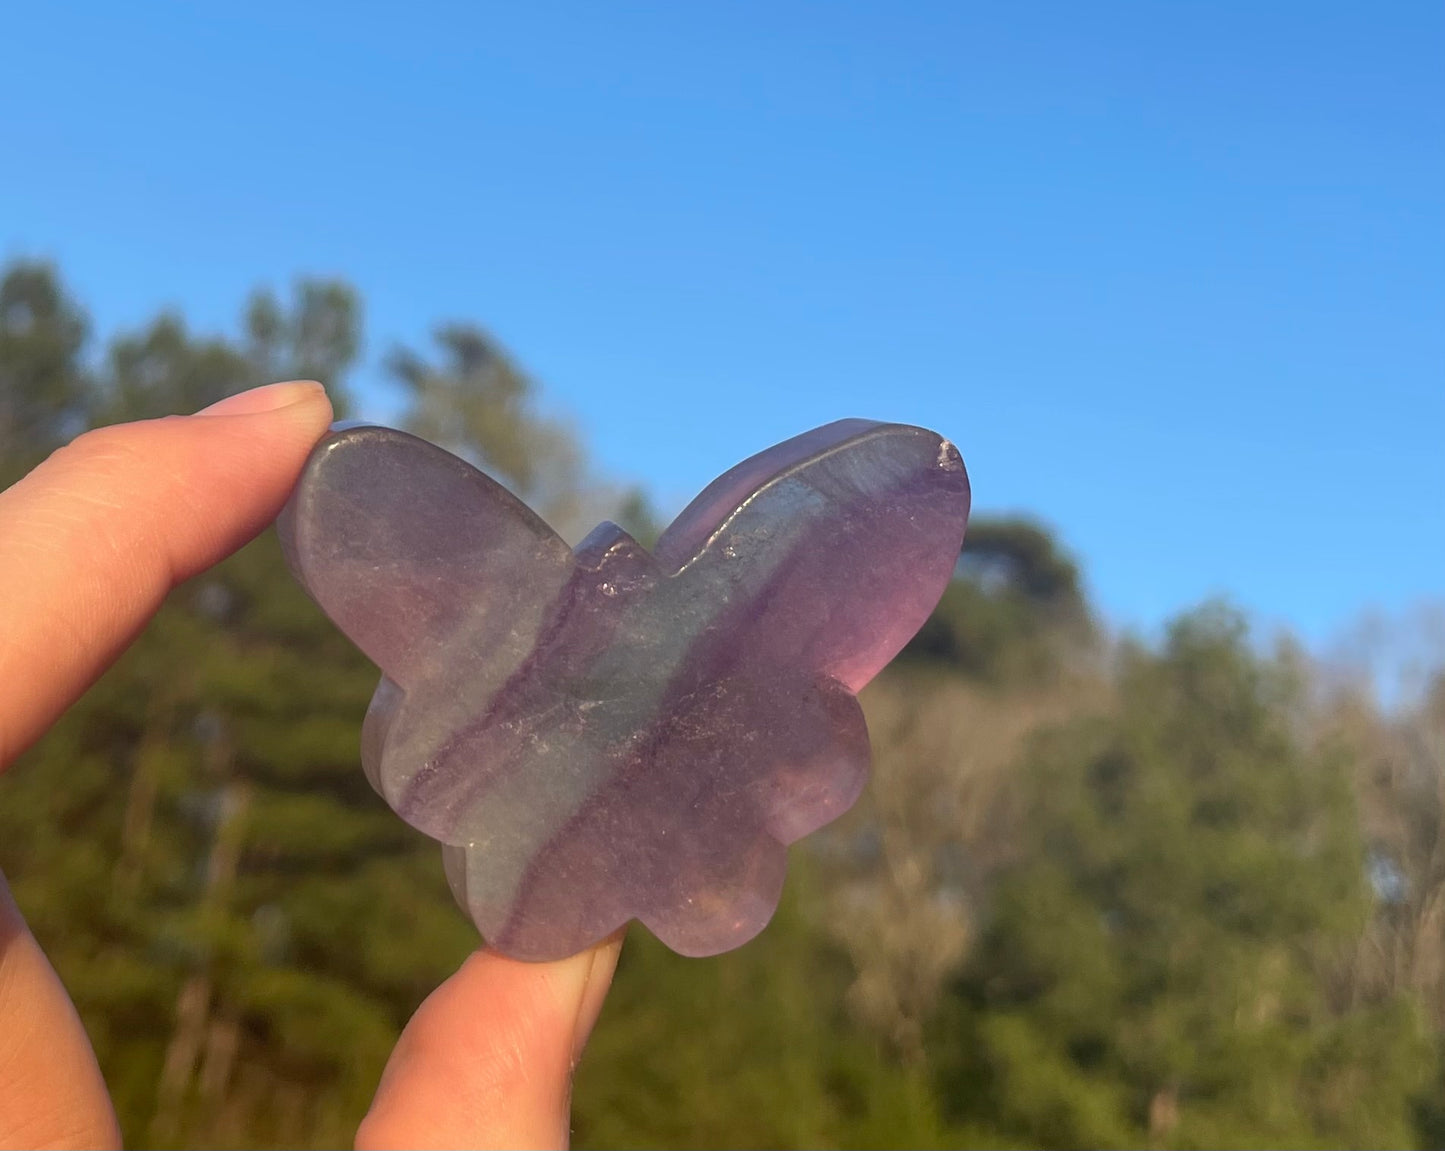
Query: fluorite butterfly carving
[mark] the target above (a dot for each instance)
(606, 734)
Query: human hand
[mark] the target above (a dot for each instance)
(90, 544)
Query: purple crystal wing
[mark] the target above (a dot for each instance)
(827, 551)
(417, 556)
(687, 534)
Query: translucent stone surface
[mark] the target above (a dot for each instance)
(605, 734)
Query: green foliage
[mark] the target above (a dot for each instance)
(1014, 614)
(316, 339)
(1170, 954)
(637, 516)
(44, 393)
(1158, 963)
(163, 369)
(751, 1049)
(478, 403)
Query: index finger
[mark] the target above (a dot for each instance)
(94, 538)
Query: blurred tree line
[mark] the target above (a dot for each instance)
(1099, 893)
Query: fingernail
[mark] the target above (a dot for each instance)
(595, 985)
(266, 399)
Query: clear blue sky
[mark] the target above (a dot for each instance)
(1171, 274)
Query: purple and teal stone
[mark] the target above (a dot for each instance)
(606, 734)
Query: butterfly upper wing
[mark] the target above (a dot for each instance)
(421, 559)
(827, 551)
(687, 534)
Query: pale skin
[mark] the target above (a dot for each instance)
(90, 544)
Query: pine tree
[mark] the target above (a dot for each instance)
(1161, 965)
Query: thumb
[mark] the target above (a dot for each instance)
(51, 1091)
(487, 1060)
